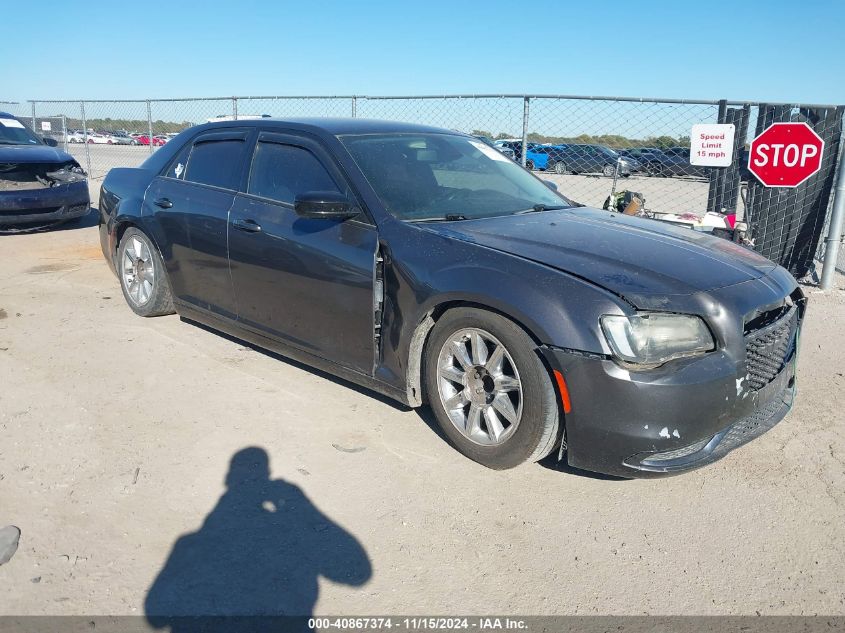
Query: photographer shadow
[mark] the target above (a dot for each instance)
(257, 556)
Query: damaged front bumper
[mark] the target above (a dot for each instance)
(685, 414)
(659, 423)
(44, 206)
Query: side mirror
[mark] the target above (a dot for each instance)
(327, 205)
(50, 141)
(550, 185)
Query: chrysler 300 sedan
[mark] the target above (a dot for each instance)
(425, 265)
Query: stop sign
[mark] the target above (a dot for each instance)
(785, 154)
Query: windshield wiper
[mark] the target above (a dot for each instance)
(449, 217)
(537, 208)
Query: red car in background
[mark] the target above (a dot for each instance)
(144, 139)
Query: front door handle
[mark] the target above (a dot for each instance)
(164, 203)
(250, 226)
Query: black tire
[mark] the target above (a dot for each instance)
(608, 170)
(160, 299)
(559, 167)
(529, 164)
(537, 432)
(655, 169)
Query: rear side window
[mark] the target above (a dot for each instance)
(281, 172)
(216, 163)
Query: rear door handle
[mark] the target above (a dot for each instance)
(164, 203)
(250, 226)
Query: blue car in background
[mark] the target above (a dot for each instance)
(582, 159)
(535, 158)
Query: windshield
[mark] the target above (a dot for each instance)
(432, 176)
(13, 132)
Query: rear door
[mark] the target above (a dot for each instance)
(191, 201)
(306, 282)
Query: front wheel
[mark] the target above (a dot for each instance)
(559, 168)
(490, 392)
(608, 170)
(142, 275)
(529, 164)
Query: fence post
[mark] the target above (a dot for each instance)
(85, 138)
(235, 108)
(837, 225)
(354, 107)
(32, 103)
(64, 130)
(150, 124)
(525, 101)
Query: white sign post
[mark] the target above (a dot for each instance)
(712, 144)
(46, 126)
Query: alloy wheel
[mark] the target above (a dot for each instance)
(479, 386)
(138, 271)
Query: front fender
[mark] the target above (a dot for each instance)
(554, 307)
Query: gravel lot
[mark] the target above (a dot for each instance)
(116, 434)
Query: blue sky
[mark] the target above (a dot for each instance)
(763, 50)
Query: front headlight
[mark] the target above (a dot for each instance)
(653, 338)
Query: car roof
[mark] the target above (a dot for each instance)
(334, 126)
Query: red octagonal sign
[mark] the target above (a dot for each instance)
(785, 154)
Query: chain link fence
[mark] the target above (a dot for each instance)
(592, 148)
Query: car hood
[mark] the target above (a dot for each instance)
(33, 154)
(640, 260)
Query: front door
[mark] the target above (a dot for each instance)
(306, 282)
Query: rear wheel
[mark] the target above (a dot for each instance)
(529, 164)
(142, 276)
(490, 392)
(559, 168)
(608, 170)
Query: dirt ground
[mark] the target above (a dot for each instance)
(117, 432)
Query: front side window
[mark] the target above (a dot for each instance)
(215, 163)
(281, 172)
(431, 176)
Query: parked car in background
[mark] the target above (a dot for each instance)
(658, 162)
(505, 151)
(682, 154)
(39, 185)
(123, 138)
(98, 138)
(144, 139)
(533, 159)
(585, 159)
(75, 136)
(413, 261)
(161, 138)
